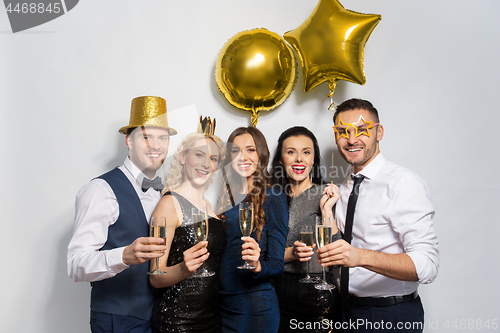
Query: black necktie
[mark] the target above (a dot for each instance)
(351, 205)
(156, 184)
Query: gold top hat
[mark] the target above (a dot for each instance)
(206, 126)
(148, 111)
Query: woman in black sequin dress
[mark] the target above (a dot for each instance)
(185, 303)
(296, 169)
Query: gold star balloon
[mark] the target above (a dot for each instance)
(256, 71)
(330, 44)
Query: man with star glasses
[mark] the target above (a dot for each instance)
(384, 211)
(361, 127)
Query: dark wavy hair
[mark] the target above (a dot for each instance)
(278, 173)
(356, 104)
(261, 178)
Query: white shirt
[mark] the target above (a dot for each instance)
(393, 215)
(96, 209)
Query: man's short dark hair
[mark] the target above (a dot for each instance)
(355, 104)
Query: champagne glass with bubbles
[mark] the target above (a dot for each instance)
(306, 237)
(246, 225)
(200, 225)
(158, 228)
(323, 237)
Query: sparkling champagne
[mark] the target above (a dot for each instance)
(307, 238)
(200, 227)
(246, 221)
(323, 237)
(160, 232)
(323, 233)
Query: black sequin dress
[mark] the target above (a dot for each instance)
(192, 305)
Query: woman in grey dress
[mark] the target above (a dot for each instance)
(296, 169)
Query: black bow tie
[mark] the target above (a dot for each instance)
(156, 184)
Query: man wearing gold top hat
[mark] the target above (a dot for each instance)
(110, 246)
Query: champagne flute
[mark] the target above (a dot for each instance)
(158, 228)
(323, 237)
(246, 225)
(200, 225)
(306, 237)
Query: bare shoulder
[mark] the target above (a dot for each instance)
(169, 207)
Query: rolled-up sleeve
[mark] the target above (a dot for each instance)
(96, 208)
(413, 215)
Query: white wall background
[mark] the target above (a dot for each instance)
(65, 89)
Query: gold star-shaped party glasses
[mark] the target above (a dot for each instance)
(361, 127)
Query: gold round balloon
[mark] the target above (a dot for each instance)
(331, 44)
(256, 71)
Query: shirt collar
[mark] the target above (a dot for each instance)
(373, 167)
(134, 171)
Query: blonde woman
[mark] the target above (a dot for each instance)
(186, 303)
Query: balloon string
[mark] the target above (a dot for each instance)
(254, 118)
(331, 108)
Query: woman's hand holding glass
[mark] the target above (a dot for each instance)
(303, 252)
(195, 256)
(251, 252)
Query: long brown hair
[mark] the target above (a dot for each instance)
(260, 178)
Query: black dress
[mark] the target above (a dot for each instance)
(192, 305)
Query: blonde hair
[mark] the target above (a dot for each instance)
(175, 175)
